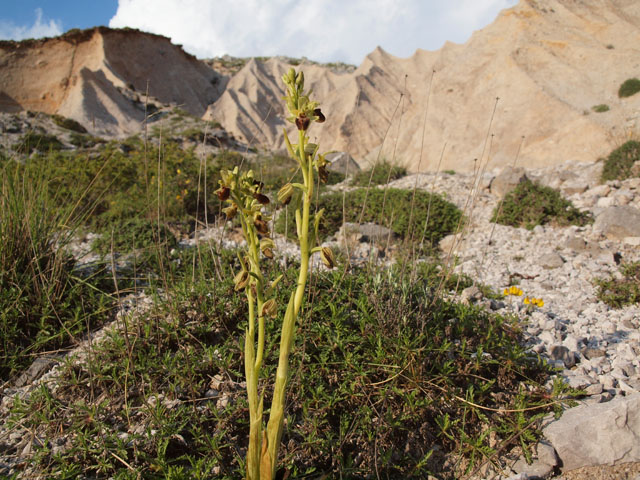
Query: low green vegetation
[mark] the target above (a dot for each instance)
(388, 378)
(629, 87)
(531, 204)
(619, 165)
(379, 174)
(82, 140)
(618, 292)
(31, 141)
(68, 123)
(601, 108)
(390, 208)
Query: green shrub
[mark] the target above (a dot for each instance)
(629, 87)
(387, 380)
(622, 291)
(68, 124)
(136, 233)
(38, 141)
(619, 164)
(84, 141)
(600, 108)
(443, 216)
(379, 174)
(531, 204)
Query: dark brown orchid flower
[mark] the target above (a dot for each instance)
(302, 122)
(223, 193)
(261, 226)
(321, 118)
(263, 199)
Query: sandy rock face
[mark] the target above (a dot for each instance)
(548, 61)
(98, 77)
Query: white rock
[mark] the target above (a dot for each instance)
(597, 434)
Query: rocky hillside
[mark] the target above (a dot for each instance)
(548, 70)
(100, 78)
(549, 62)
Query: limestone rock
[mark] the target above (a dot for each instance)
(38, 368)
(618, 222)
(507, 180)
(551, 260)
(602, 433)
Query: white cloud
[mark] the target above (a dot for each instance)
(40, 28)
(324, 30)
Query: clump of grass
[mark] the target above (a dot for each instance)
(68, 123)
(619, 164)
(531, 204)
(81, 140)
(388, 379)
(624, 291)
(43, 303)
(629, 87)
(137, 233)
(601, 108)
(443, 217)
(379, 174)
(38, 141)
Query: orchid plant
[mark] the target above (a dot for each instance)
(243, 196)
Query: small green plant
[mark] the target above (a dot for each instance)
(531, 204)
(68, 123)
(379, 174)
(440, 216)
(244, 195)
(449, 172)
(38, 141)
(601, 108)
(629, 87)
(620, 163)
(624, 291)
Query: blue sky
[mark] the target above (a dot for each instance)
(323, 30)
(67, 14)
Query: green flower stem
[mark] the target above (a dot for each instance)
(276, 416)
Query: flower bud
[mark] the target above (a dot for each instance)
(223, 193)
(269, 308)
(327, 257)
(285, 193)
(230, 211)
(240, 280)
(262, 199)
(266, 246)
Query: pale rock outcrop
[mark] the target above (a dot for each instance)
(601, 433)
